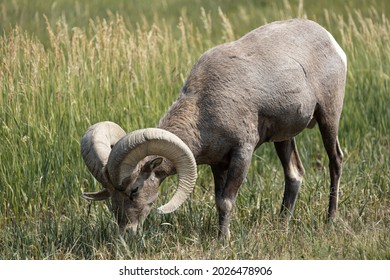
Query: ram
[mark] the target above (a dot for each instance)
(267, 86)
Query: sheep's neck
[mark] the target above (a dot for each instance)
(182, 120)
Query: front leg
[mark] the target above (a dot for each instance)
(220, 176)
(227, 184)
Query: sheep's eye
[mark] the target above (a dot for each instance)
(133, 192)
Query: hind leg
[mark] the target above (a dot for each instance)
(293, 174)
(329, 132)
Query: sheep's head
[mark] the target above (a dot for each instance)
(126, 165)
(132, 201)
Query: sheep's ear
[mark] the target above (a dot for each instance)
(151, 165)
(101, 195)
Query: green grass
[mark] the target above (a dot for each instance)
(68, 64)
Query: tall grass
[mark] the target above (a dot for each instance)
(56, 82)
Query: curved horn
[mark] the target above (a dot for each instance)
(135, 146)
(96, 146)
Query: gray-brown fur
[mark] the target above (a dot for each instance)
(267, 86)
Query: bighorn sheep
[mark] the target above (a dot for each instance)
(267, 86)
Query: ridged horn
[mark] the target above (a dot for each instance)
(96, 146)
(139, 144)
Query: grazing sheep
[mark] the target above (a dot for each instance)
(267, 86)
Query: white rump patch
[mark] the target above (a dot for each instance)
(338, 49)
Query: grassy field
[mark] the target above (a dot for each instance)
(68, 64)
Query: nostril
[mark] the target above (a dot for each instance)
(133, 228)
